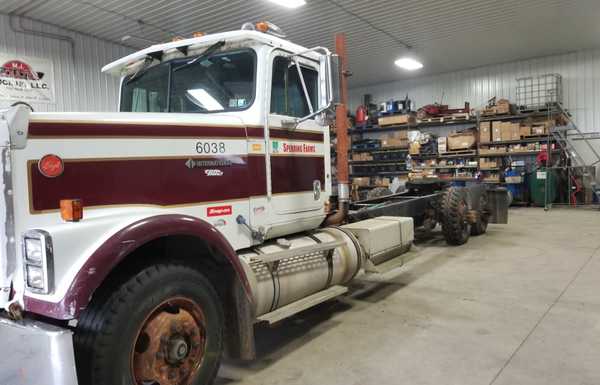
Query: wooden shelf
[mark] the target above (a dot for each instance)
(377, 173)
(382, 149)
(454, 167)
(375, 129)
(375, 162)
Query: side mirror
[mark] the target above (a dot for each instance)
(336, 79)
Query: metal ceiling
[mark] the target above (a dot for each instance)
(446, 35)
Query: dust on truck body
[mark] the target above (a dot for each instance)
(205, 201)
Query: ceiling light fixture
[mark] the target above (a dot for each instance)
(289, 3)
(409, 64)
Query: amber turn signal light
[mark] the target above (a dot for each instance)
(71, 210)
(262, 26)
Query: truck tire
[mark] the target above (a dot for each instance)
(454, 207)
(162, 326)
(480, 226)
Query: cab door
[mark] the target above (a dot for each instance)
(297, 159)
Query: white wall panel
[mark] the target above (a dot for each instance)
(79, 85)
(581, 85)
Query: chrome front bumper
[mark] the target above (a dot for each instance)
(34, 353)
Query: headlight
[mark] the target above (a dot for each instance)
(38, 261)
(33, 250)
(35, 277)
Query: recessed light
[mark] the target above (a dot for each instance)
(289, 3)
(408, 64)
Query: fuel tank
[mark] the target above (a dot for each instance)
(288, 269)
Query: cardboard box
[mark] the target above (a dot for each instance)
(461, 141)
(496, 131)
(515, 131)
(392, 141)
(396, 119)
(485, 132)
(538, 129)
(503, 106)
(361, 156)
(510, 131)
(486, 163)
(524, 131)
(382, 182)
(442, 144)
(400, 134)
(492, 150)
(362, 181)
(414, 148)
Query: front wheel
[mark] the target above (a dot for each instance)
(162, 326)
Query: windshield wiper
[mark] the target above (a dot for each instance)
(207, 52)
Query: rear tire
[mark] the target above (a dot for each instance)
(480, 227)
(454, 208)
(164, 324)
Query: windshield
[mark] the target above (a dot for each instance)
(218, 82)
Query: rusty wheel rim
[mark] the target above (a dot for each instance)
(170, 345)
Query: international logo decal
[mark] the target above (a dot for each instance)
(213, 172)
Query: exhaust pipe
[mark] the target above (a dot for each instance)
(341, 129)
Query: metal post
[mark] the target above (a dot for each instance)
(341, 125)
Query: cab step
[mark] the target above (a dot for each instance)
(302, 304)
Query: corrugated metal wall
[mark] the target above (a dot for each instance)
(79, 86)
(581, 85)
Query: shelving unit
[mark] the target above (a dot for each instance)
(465, 167)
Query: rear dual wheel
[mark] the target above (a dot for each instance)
(163, 326)
(481, 224)
(454, 209)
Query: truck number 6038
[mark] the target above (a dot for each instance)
(210, 147)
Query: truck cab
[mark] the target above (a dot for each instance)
(277, 91)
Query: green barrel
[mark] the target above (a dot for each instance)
(537, 186)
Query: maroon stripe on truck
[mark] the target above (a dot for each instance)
(296, 173)
(147, 181)
(166, 182)
(281, 133)
(80, 129)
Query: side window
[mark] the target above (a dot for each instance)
(287, 95)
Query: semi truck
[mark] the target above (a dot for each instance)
(140, 246)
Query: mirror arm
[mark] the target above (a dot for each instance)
(301, 76)
(293, 123)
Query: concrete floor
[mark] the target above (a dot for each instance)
(518, 305)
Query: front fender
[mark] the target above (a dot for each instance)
(102, 261)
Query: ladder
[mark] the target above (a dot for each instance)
(582, 149)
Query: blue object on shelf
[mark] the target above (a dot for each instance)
(517, 189)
